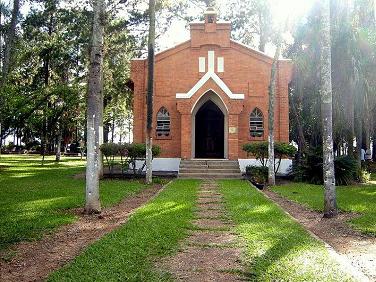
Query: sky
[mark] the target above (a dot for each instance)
(281, 10)
(178, 31)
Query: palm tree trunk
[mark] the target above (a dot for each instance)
(272, 88)
(149, 141)
(330, 201)
(58, 147)
(93, 108)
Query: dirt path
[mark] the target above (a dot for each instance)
(36, 260)
(211, 252)
(359, 249)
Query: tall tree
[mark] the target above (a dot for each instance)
(93, 108)
(272, 89)
(149, 125)
(8, 51)
(9, 42)
(330, 201)
(251, 21)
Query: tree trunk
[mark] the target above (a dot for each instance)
(330, 201)
(94, 97)
(358, 93)
(58, 147)
(350, 118)
(8, 50)
(367, 122)
(151, 44)
(374, 146)
(272, 88)
(101, 133)
(1, 140)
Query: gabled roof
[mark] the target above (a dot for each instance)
(210, 75)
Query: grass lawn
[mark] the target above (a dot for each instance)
(277, 248)
(128, 253)
(34, 199)
(360, 199)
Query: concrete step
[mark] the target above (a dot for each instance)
(202, 169)
(208, 162)
(211, 175)
(210, 170)
(210, 167)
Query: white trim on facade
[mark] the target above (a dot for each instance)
(211, 61)
(201, 64)
(210, 75)
(161, 164)
(220, 64)
(172, 164)
(283, 169)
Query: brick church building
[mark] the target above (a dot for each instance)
(211, 95)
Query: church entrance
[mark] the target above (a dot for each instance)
(209, 135)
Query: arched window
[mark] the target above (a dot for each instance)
(256, 123)
(163, 123)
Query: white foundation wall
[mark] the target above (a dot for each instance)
(283, 169)
(172, 164)
(162, 164)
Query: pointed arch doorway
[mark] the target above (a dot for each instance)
(209, 122)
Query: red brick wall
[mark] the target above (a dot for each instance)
(246, 72)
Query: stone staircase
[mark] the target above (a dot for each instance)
(204, 169)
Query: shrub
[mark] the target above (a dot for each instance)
(110, 151)
(311, 169)
(258, 174)
(370, 166)
(364, 176)
(260, 151)
(345, 170)
(137, 151)
(128, 153)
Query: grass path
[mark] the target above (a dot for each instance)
(356, 199)
(278, 248)
(357, 250)
(211, 252)
(129, 253)
(35, 198)
(38, 259)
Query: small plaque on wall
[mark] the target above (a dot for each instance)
(232, 129)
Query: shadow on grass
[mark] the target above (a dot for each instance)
(277, 248)
(35, 199)
(129, 253)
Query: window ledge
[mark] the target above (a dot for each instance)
(250, 138)
(163, 137)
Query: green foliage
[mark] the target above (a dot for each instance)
(359, 199)
(353, 76)
(258, 174)
(130, 252)
(128, 153)
(364, 176)
(276, 247)
(259, 150)
(310, 169)
(370, 166)
(35, 199)
(345, 170)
